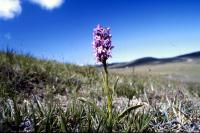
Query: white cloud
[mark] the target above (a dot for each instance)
(9, 8)
(48, 4)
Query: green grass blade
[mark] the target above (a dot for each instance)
(39, 106)
(95, 107)
(62, 123)
(34, 119)
(128, 110)
(115, 84)
(17, 114)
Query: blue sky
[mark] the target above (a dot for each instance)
(62, 30)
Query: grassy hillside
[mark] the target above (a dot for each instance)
(47, 96)
(27, 74)
(186, 58)
(181, 71)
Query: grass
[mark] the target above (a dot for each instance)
(47, 96)
(181, 71)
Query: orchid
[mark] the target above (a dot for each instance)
(102, 46)
(102, 43)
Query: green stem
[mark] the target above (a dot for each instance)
(109, 96)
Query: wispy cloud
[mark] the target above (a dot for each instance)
(9, 8)
(7, 36)
(48, 4)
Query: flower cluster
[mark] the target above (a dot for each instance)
(102, 43)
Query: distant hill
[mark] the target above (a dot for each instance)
(191, 57)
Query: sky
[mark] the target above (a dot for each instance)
(62, 29)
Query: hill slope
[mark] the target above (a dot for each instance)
(30, 75)
(191, 57)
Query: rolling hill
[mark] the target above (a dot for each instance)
(191, 57)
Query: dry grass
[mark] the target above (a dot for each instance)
(186, 72)
(44, 96)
